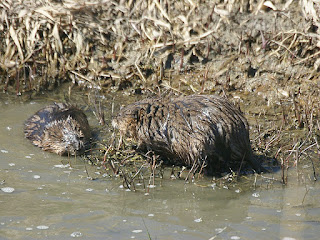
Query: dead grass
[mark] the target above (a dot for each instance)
(114, 45)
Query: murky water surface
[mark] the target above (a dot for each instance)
(41, 197)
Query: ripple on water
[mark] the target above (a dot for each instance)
(76, 234)
(42, 227)
(7, 189)
(256, 195)
(62, 165)
(235, 237)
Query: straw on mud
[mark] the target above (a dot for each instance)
(58, 28)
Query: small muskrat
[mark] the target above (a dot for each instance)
(196, 131)
(60, 128)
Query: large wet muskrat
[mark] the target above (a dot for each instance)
(59, 128)
(196, 131)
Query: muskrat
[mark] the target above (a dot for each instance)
(195, 131)
(60, 128)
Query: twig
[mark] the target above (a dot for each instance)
(307, 58)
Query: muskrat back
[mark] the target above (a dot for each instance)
(196, 130)
(59, 128)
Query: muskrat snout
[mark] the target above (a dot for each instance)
(73, 141)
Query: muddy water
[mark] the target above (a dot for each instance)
(42, 197)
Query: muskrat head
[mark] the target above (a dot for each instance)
(64, 137)
(126, 120)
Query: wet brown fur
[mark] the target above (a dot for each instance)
(189, 131)
(59, 128)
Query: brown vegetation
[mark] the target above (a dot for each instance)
(115, 45)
